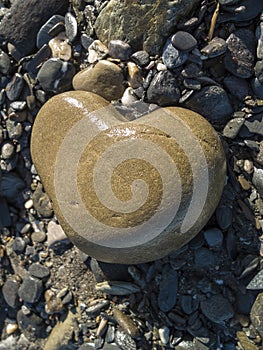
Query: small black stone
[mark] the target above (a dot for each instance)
(43, 35)
(119, 49)
(14, 87)
(168, 291)
(183, 41)
(141, 58)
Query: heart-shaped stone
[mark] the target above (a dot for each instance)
(127, 191)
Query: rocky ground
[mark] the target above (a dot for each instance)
(203, 55)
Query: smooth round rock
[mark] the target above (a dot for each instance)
(105, 79)
(127, 191)
(183, 41)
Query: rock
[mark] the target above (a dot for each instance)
(260, 41)
(105, 79)
(119, 49)
(153, 22)
(253, 125)
(30, 290)
(43, 35)
(204, 258)
(21, 25)
(53, 303)
(172, 57)
(216, 47)
(71, 27)
(126, 323)
(39, 271)
(236, 86)
(141, 58)
(183, 41)
(14, 87)
(250, 10)
(86, 210)
(256, 282)
(232, 128)
(163, 89)
(60, 48)
(256, 314)
(61, 333)
(167, 295)
(257, 180)
(11, 187)
(257, 88)
(245, 342)
(31, 325)
(109, 272)
(19, 245)
(56, 75)
(214, 237)
(5, 63)
(5, 218)
(124, 341)
(212, 102)
(217, 309)
(56, 234)
(240, 56)
(10, 291)
(224, 216)
(41, 202)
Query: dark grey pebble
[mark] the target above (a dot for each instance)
(14, 87)
(240, 56)
(21, 25)
(252, 126)
(43, 35)
(211, 102)
(163, 89)
(32, 66)
(96, 309)
(31, 325)
(217, 309)
(11, 186)
(216, 47)
(204, 258)
(39, 271)
(257, 180)
(141, 58)
(257, 88)
(119, 49)
(86, 41)
(56, 75)
(224, 216)
(237, 87)
(30, 289)
(214, 237)
(188, 304)
(251, 9)
(109, 272)
(172, 57)
(5, 218)
(5, 62)
(233, 127)
(183, 41)
(192, 84)
(168, 291)
(19, 245)
(38, 236)
(10, 291)
(124, 341)
(71, 26)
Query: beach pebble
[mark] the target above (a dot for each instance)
(141, 58)
(217, 308)
(93, 79)
(173, 57)
(216, 47)
(167, 295)
(240, 56)
(119, 49)
(43, 35)
(183, 41)
(60, 47)
(163, 89)
(30, 289)
(214, 237)
(71, 27)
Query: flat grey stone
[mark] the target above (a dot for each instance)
(217, 309)
(168, 291)
(30, 289)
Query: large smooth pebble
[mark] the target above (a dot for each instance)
(127, 191)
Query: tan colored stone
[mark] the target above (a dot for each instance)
(127, 192)
(134, 75)
(105, 79)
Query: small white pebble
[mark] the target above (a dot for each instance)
(164, 333)
(161, 67)
(29, 204)
(11, 328)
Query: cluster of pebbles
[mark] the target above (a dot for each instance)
(207, 295)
